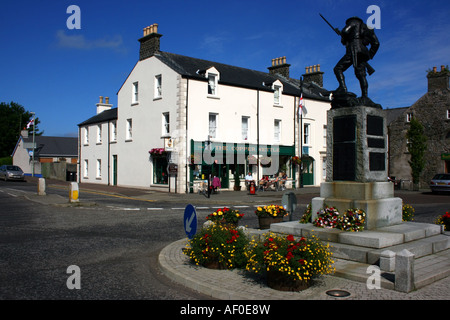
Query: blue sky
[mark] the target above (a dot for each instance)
(59, 73)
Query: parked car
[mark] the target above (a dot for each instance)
(9, 172)
(440, 183)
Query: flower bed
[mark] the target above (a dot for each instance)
(218, 246)
(351, 220)
(297, 261)
(271, 211)
(444, 220)
(407, 212)
(225, 215)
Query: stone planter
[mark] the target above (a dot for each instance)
(279, 281)
(265, 222)
(214, 265)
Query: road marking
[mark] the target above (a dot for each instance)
(12, 195)
(105, 194)
(200, 208)
(241, 206)
(155, 208)
(131, 209)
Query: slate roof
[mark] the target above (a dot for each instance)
(104, 116)
(237, 76)
(393, 114)
(54, 146)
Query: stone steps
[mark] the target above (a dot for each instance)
(421, 239)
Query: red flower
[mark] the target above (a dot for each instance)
(290, 238)
(289, 255)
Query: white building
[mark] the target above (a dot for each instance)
(193, 117)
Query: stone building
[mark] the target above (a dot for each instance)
(433, 112)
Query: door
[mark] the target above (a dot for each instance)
(114, 170)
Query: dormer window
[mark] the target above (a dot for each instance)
(212, 74)
(277, 87)
(212, 84)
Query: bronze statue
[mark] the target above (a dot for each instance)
(356, 37)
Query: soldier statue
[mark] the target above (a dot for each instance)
(356, 37)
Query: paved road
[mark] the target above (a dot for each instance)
(115, 237)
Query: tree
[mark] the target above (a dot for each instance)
(417, 145)
(13, 119)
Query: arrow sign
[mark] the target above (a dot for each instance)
(190, 221)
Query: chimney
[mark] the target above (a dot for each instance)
(438, 80)
(24, 133)
(280, 67)
(149, 42)
(313, 74)
(103, 106)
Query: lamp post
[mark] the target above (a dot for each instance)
(34, 146)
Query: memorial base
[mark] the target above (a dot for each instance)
(375, 198)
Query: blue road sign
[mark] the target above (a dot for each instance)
(190, 221)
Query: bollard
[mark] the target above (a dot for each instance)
(73, 192)
(404, 271)
(387, 260)
(41, 187)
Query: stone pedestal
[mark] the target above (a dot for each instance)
(357, 167)
(356, 144)
(375, 198)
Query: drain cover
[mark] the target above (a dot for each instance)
(338, 293)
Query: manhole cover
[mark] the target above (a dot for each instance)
(338, 293)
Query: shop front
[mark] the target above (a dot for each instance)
(231, 162)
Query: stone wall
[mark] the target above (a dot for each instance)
(431, 111)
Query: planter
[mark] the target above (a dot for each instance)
(265, 222)
(214, 265)
(279, 281)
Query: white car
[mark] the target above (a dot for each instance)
(440, 183)
(10, 172)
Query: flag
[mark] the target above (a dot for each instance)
(30, 123)
(300, 106)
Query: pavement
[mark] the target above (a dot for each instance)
(235, 284)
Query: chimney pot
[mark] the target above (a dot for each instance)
(434, 69)
(318, 67)
(273, 62)
(155, 28)
(106, 100)
(442, 68)
(101, 99)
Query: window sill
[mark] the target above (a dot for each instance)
(129, 140)
(210, 96)
(113, 141)
(278, 106)
(98, 143)
(135, 104)
(157, 98)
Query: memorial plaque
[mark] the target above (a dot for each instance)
(375, 143)
(375, 126)
(377, 161)
(344, 148)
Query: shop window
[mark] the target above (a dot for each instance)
(160, 175)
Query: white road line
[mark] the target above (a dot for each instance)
(155, 209)
(241, 206)
(200, 208)
(178, 208)
(131, 209)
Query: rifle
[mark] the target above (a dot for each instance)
(369, 68)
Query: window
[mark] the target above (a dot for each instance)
(135, 98)
(99, 168)
(306, 134)
(325, 136)
(166, 124)
(86, 135)
(212, 84)
(99, 133)
(448, 114)
(129, 129)
(114, 131)
(160, 164)
(245, 125)
(277, 95)
(212, 125)
(277, 130)
(158, 86)
(86, 169)
(409, 117)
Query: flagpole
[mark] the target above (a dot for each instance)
(34, 147)
(301, 131)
